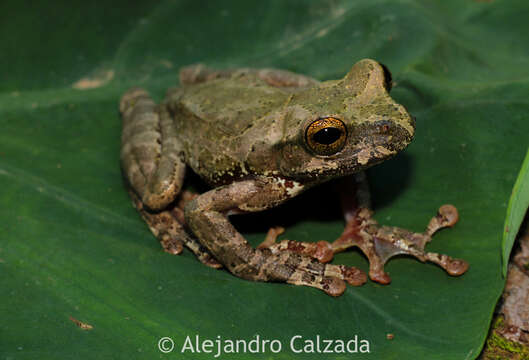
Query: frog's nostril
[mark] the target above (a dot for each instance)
(383, 127)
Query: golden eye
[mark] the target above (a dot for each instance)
(326, 136)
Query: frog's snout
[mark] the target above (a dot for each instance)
(391, 134)
(403, 129)
(404, 119)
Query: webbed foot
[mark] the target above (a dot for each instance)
(378, 243)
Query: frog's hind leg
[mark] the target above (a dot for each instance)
(149, 151)
(207, 216)
(154, 170)
(199, 73)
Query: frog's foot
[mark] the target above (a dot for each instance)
(321, 250)
(380, 243)
(331, 279)
(167, 227)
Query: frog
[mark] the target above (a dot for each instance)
(259, 137)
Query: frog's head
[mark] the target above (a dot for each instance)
(344, 126)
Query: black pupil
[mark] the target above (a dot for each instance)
(327, 136)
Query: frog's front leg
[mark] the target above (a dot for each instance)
(207, 216)
(378, 243)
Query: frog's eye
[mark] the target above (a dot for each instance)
(326, 136)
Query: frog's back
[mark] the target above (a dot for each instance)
(213, 121)
(230, 105)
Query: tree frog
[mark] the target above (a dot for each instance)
(259, 137)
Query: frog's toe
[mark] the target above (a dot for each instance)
(454, 267)
(351, 274)
(332, 286)
(271, 238)
(447, 216)
(380, 277)
(332, 279)
(354, 276)
(168, 227)
(321, 250)
(210, 261)
(171, 245)
(457, 267)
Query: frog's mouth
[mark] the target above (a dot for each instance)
(377, 142)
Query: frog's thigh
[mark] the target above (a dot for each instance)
(149, 150)
(206, 215)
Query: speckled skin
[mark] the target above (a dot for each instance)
(244, 132)
(241, 126)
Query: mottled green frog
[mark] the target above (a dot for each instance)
(259, 137)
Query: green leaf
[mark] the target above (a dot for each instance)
(73, 246)
(518, 204)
